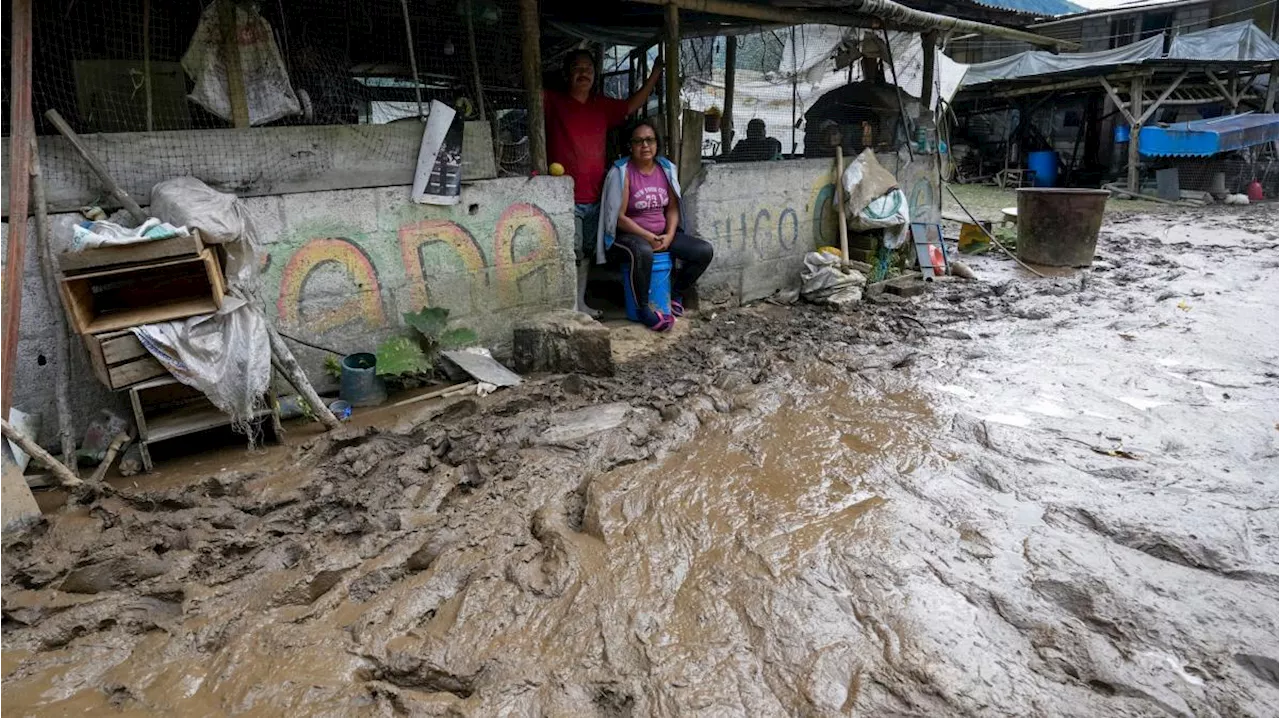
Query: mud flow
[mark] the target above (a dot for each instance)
(1011, 497)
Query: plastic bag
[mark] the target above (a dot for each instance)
(824, 281)
(103, 233)
(266, 80)
(864, 180)
(890, 212)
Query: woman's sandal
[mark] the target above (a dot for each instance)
(677, 308)
(664, 323)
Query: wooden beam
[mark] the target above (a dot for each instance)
(1269, 105)
(96, 165)
(22, 132)
(730, 73)
(413, 55)
(227, 13)
(1217, 82)
(1135, 129)
(1115, 97)
(671, 72)
(1163, 96)
(855, 14)
(1080, 83)
(146, 63)
(531, 51)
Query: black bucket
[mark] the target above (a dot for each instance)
(1058, 227)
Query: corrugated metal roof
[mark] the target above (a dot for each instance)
(1203, 138)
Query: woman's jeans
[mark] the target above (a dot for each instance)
(636, 256)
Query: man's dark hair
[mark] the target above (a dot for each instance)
(573, 55)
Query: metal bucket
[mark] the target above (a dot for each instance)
(1058, 227)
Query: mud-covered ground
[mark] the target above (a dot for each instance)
(1010, 497)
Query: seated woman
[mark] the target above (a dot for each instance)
(640, 214)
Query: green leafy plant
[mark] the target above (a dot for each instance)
(401, 355)
(406, 356)
(333, 366)
(430, 323)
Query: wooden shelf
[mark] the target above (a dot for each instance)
(189, 420)
(118, 298)
(163, 312)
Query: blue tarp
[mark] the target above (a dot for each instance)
(1203, 138)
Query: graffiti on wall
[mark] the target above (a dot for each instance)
(778, 229)
(783, 228)
(360, 300)
(330, 282)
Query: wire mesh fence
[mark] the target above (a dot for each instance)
(117, 66)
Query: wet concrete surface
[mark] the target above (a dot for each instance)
(1010, 497)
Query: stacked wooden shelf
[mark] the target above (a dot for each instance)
(109, 291)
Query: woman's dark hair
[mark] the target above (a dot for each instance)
(637, 124)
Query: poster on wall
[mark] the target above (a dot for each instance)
(438, 178)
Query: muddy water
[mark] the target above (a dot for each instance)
(1016, 497)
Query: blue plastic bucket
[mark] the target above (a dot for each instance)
(359, 384)
(1122, 134)
(659, 286)
(1045, 165)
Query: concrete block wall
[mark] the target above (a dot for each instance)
(763, 217)
(341, 267)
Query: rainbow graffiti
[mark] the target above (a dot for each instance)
(365, 303)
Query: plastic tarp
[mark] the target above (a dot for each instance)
(1241, 41)
(1040, 62)
(226, 355)
(1237, 41)
(815, 49)
(1204, 138)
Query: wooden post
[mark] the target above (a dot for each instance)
(929, 48)
(413, 57)
(730, 71)
(475, 64)
(671, 71)
(227, 13)
(146, 63)
(22, 129)
(1135, 112)
(61, 342)
(531, 49)
(692, 123)
(844, 226)
(17, 506)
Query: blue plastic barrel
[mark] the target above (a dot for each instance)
(1045, 165)
(659, 286)
(1122, 133)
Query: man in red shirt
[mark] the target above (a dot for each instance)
(577, 123)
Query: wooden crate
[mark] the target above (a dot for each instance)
(122, 297)
(95, 259)
(119, 359)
